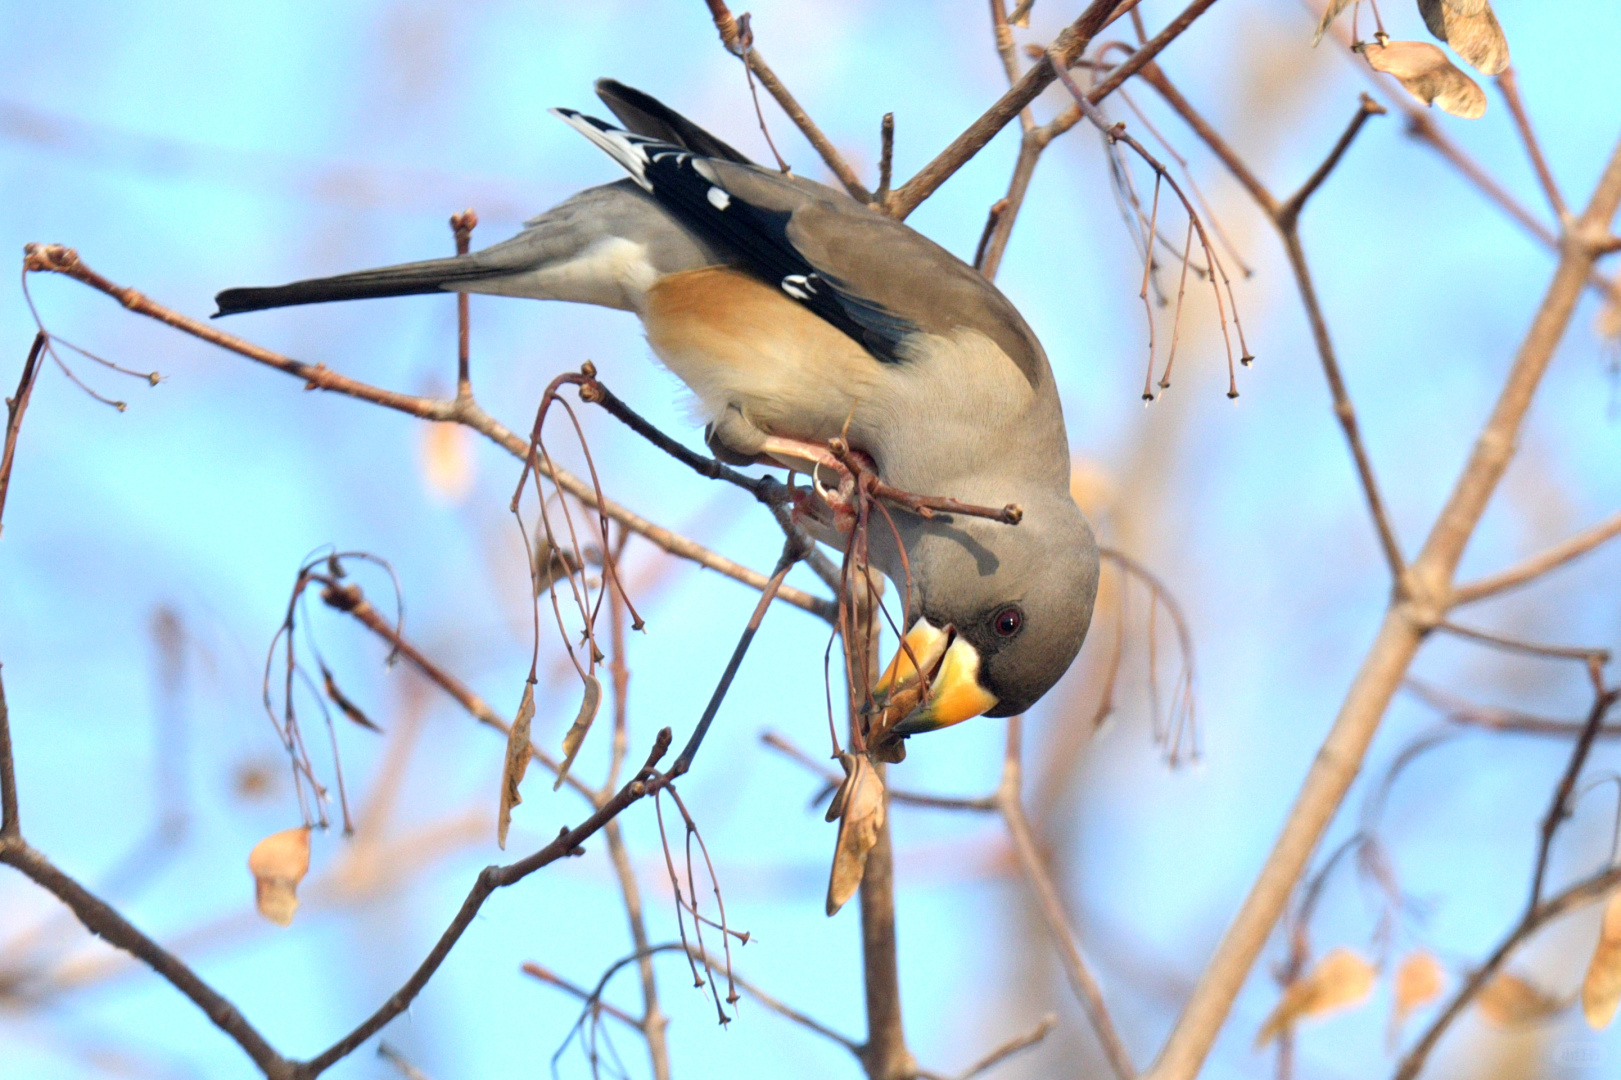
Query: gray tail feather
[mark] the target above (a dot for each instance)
(408, 279)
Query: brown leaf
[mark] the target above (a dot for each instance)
(447, 461)
(1601, 990)
(1471, 28)
(341, 700)
(1340, 980)
(860, 802)
(1419, 980)
(1428, 75)
(278, 863)
(575, 735)
(1330, 13)
(1508, 1000)
(517, 762)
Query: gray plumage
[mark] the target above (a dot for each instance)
(793, 311)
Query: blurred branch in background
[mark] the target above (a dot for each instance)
(1423, 593)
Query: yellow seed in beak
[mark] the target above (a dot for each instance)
(924, 643)
(954, 696)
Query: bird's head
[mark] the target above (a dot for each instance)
(997, 612)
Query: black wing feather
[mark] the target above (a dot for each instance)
(756, 235)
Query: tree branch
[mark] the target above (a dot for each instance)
(15, 407)
(740, 43)
(491, 878)
(1285, 217)
(1406, 622)
(1528, 571)
(1070, 44)
(105, 922)
(1010, 802)
(55, 258)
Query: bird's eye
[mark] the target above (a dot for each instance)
(1008, 621)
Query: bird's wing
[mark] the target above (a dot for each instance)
(866, 274)
(647, 115)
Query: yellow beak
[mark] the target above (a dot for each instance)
(952, 695)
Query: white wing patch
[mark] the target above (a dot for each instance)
(799, 286)
(719, 199)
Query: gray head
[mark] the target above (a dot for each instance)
(1002, 609)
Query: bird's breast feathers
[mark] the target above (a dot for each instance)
(740, 344)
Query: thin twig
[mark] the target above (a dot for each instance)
(106, 923)
(10, 820)
(1538, 912)
(1509, 84)
(1087, 991)
(1529, 648)
(1407, 621)
(886, 160)
(1533, 568)
(1069, 45)
(1015, 1045)
(351, 601)
(1560, 807)
(732, 37)
(1495, 718)
(15, 407)
(1285, 217)
(462, 225)
(491, 878)
(57, 259)
(784, 746)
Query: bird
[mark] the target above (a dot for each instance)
(797, 315)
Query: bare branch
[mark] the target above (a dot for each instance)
(1285, 217)
(740, 43)
(1537, 912)
(106, 923)
(1070, 44)
(1533, 568)
(1406, 622)
(491, 878)
(1529, 648)
(1081, 979)
(1560, 808)
(1509, 84)
(61, 260)
(1015, 1045)
(15, 407)
(1495, 718)
(786, 747)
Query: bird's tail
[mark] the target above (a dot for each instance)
(407, 279)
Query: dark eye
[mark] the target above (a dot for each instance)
(1008, 621)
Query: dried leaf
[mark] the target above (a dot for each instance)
(1340, 980)
(1428, 75)
(341, 700)
(1607, 324)
(278, 863)
(1508, 1000)
(447, 461)
(1419, 980)
(1471, 28)
(517, 762)
(860, 801)
(575, 735)
(1330, 13)
(1601, 990)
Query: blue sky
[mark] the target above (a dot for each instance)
(187, 147)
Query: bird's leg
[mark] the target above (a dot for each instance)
(818, 462)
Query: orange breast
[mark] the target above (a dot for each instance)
(738, 341)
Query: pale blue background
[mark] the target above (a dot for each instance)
(187, 147)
